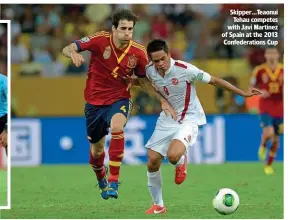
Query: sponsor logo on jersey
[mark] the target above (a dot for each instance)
(200, 76)
(84, 39)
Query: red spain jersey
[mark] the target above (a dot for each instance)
(108, 65)
(273, 82)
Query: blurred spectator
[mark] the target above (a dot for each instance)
(9, 14)
(185, 17)
(30, 68)
(97, 18)
(228, 102)
(143, 25)
(160, 27)
(42, 55)
(19, 52)
(47, 18)
(27, 20)
(54, 68)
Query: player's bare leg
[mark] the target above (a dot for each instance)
(267, 134)
(272, 154)
(97, 156)
(155, 182)
(176, 157)
(116, 152)
(4, 141)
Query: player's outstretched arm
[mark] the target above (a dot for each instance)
(148, 87)
(71, 51)
(215, 81)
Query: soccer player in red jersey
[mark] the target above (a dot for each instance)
(115, 57)
(269, 77)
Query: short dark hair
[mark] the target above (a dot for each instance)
(157, 45)
(123, 14)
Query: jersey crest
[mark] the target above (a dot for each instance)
(132, 62)
(107, 53)
(174, 81)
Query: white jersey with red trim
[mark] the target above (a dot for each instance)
(178, 87)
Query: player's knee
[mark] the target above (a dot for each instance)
(117, 122)
(172, 158)
(117, 127)
(268, 134)
(153, 164)
(96, 150)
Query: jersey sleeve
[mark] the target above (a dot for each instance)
(193, 73)
(142, 62)
(89, 43)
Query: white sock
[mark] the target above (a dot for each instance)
(180, 161)
(155, 187)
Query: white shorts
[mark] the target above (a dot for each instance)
(164, 133)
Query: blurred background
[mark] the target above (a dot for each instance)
(3, 70)
(48, 89)
(3, 48)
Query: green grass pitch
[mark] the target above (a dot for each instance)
(70, 192)
(3, 188)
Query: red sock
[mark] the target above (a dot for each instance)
(272, 154)
(116, 153)
(98, 165)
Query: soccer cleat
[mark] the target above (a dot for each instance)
(156, 209)
(181, 172)
(113, 190)
(268, 170)
(103, 186)
(262, 153)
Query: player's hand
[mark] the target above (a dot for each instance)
(77, 59)
(252, 92)
(133, 80)
(167, 108)
(265, 94)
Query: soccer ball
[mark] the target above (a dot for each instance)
(226, 201)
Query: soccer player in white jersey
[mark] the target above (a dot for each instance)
(171, 138)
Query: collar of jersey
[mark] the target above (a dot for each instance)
(172, 62)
